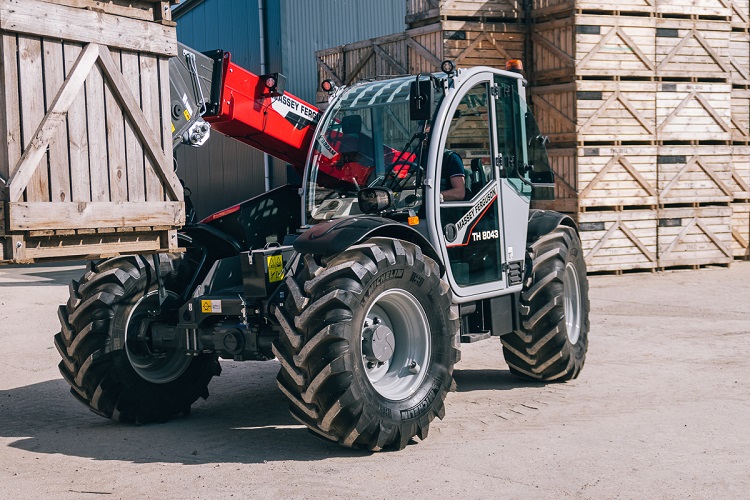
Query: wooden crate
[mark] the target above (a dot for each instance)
(422, 50)
(740, 103)
(598, 111)
(84, 110)
(740, 182)
(422, 12)
(694, 174)
(694, 236)
(603, 176)
(703, 8)
(739, 57)
(619, 241)
(590, 45)
(693, 111)
(541, 9)
(741, 230)
(692, 48)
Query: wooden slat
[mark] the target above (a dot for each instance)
(144, 11)
(10, 118)
(117, 159)
(35, 216)
(150, 106)
(87, 247)
(34, 17)
(78, 139)
(95, 111)
(31, 78)
(133, 148)
(59, 165)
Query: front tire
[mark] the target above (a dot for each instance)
(552, 341)
(369, 341)
(109, 370)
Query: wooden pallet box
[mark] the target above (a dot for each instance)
(739, 57)
(594, 177)
(740, 181)
(422, 12)
(542, 9)
(694, 236)
(619, 241)
(687, 47)
(694, 174)
(422, 50)
(591, 45)
(84, 114)
(596, 111)
(741, 230)
(693, 111)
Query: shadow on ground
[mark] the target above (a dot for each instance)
(244, 421)
(41, 274)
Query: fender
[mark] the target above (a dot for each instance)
(543, 222)
(330, 238)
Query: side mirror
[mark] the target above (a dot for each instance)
(421, 95)
(373, 200)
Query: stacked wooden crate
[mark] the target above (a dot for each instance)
(647, 109)
(739, 184)
(86, 152)
(468, 32)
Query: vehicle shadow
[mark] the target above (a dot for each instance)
(245, 420)
(41, 274)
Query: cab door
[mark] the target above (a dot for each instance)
(470, 229)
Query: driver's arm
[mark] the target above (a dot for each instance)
(457, 190)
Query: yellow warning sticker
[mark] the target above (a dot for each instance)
(187, 114)
(211, 306)
(173, 129)
(275, 268)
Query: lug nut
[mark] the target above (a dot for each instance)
(414, 368)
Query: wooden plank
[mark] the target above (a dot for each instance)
(618, 241)
(740, 123)
(717, 8)
(686, 111)
(34, 17)
(78, 138)
(10, 117)
(45, 131)
(739, 57)
(740, 181)
(134, 154)
(740, 245)
(150, 106)
(117, 159)
(694, 174)
(93, 246)
(59, 165)
(31, 85)
(37, 216)
(96, 118)
(701, 46)
(165, 121)
(144, 11)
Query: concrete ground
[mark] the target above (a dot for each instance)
(661, 410)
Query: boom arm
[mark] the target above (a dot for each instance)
(239, 104)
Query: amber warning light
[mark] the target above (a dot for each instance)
(515, 65)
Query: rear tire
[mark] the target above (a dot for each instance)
(344, 381)
(552, 341)
(107, 369)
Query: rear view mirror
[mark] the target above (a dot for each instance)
(374, 200)
(421, 95)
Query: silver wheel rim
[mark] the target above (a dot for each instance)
(155, 369)
(572, 300)
(400, 376)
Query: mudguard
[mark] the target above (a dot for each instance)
(543, 222)
(330, 238)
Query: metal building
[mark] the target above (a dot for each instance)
(226, 171)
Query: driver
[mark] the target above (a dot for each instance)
(453, 177)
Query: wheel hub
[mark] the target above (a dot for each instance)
(572, 301)
(378, 343)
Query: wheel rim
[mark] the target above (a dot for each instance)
(161, 368)
(402, 373)
(572, 299)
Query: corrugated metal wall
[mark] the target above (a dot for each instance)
(225, 171)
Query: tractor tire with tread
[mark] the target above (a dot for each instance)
(330, 302)
(552, 340)
(108, 374)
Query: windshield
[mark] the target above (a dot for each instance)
(367, 139)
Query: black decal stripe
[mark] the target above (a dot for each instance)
(471, 230)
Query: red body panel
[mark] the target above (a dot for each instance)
(281, 125)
